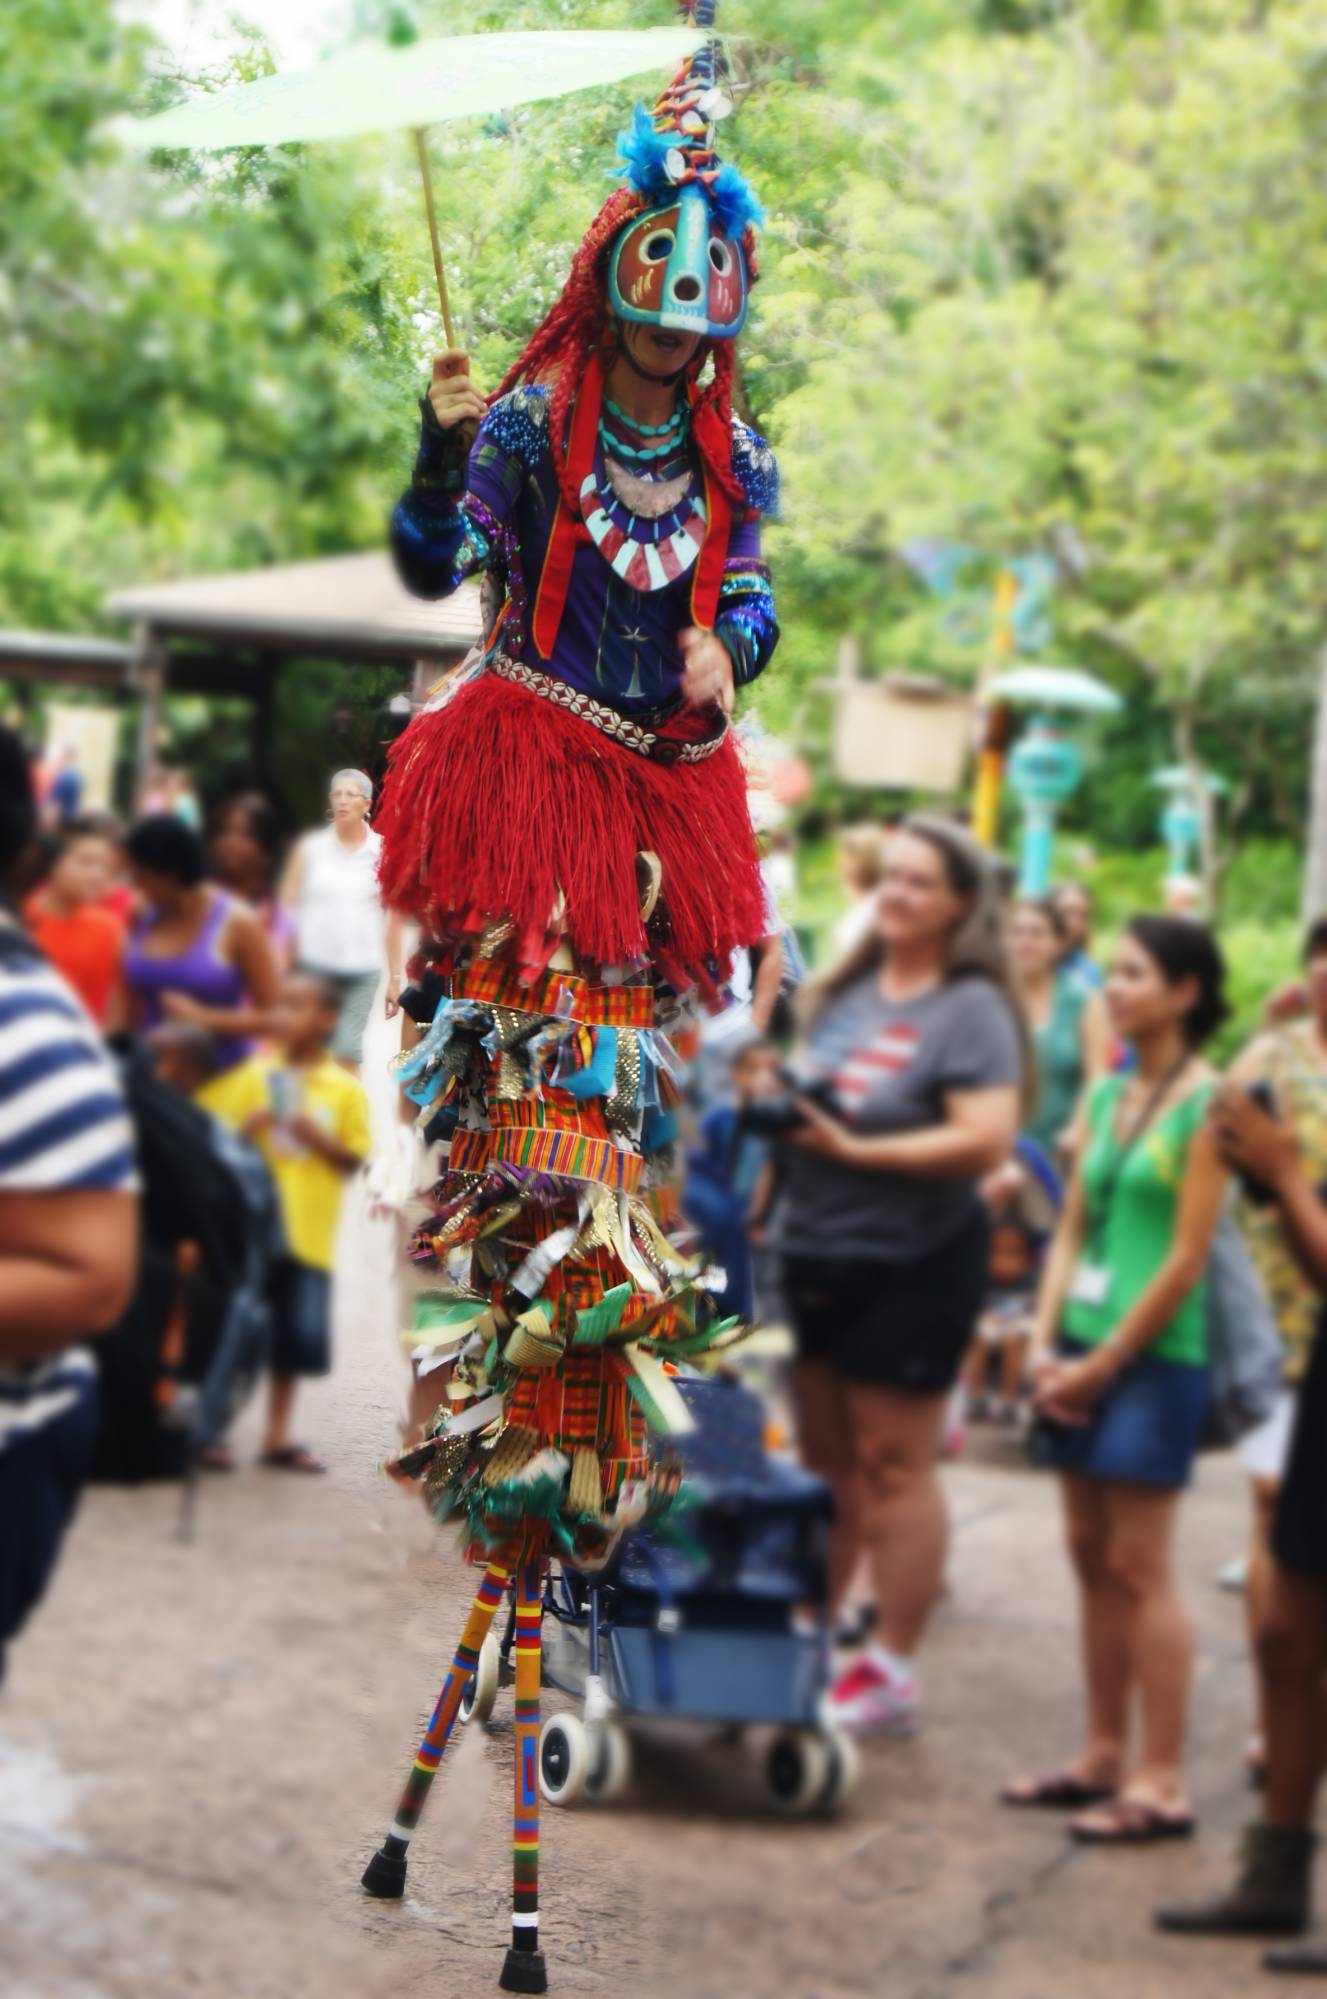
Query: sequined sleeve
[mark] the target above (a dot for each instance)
(746, 622)
(450, 521)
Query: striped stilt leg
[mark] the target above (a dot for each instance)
(524, 1970)
(385, 1874)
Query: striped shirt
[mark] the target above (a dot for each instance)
(64, 1128)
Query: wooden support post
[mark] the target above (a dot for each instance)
(148, 675)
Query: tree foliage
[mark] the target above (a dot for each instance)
(1038, 275)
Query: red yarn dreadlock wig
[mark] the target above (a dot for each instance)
(580, 324)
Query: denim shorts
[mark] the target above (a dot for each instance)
(41, 1477)
(1145, 1430)
(301, 1318)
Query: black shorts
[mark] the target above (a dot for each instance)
(895, 1325)
(301, 1318)
(1299, 1532)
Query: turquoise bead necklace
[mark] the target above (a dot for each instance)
(660, 442)
(676, 421)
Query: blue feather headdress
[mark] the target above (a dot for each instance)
(643, 152)
(650, 164)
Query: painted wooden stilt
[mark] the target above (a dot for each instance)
(524, 1970)
(385, 1874)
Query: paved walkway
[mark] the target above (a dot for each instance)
(200, 1744)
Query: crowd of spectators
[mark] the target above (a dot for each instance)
(980, 1171)
(989, 1156)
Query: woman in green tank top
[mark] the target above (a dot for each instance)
(1120, 1361)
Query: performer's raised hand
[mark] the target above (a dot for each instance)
(453, 397)
(707, 669)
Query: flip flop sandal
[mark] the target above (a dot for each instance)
(293, 1458)
(1060, 1792)
(1133, 1822)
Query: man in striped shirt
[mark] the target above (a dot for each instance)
(68, 1230)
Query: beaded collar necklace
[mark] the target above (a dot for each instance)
(647, 445)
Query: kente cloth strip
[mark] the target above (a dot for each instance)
(562, 995)
(565, 1294)
(571, 1154)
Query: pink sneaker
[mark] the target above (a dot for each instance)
(955, 1442)
(867, 1699)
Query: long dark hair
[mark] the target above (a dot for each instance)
(1046, 907)
(260, 817)
(1182, 948)
(164, 844)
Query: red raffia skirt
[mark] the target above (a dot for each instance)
(503, 807)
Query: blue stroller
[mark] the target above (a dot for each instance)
(699, 1629)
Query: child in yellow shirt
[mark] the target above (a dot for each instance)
(310, 1120)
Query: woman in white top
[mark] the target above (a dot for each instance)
(331, 890)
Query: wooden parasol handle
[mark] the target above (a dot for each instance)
(422, 152)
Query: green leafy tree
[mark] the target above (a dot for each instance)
(1085, 285)
(1037, 274)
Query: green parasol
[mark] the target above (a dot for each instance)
(376, 87)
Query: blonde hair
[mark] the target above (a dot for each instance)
(862, 854)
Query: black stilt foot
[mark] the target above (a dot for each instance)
(524, 1971)
(385, 1877)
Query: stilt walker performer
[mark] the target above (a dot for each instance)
(567, 823)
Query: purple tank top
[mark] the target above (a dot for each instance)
(200, 972)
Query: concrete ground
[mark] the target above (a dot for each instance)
(200, 1745)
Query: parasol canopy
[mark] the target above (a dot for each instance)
(386, 87)
(373, 87)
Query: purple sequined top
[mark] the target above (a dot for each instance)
(630, 589)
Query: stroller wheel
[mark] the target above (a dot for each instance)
(797, 1770)
(612, 1767)
(844, 1769)
(564, 1759)
(482, 1691)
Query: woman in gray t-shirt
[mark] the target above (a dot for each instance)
(917, 1044)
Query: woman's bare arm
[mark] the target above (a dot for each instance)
(122, 1009)
(1058, 1273)
(291, 885)
(1094, 1038)
(977, 1135)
